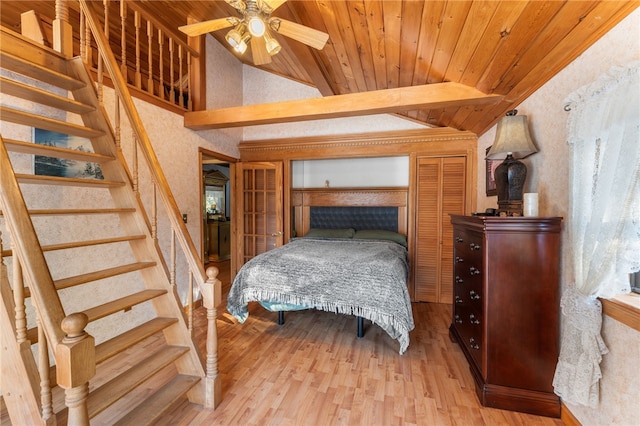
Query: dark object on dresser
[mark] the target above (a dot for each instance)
(506, 308)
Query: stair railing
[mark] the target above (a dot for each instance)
(160, 67)
(64, 334)
(209, 286)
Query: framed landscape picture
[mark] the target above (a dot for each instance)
(491, 176)
(52, 166)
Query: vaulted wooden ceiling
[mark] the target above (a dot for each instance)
(506, 48)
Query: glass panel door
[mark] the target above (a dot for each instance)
(262, 219)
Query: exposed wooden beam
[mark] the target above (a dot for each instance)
(430, 96)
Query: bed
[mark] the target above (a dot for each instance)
(344, 259)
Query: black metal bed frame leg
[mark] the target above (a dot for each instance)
(280, 317)
(360, 327)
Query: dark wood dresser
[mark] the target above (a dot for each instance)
(506, 308)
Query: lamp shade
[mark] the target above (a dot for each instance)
(512, 136)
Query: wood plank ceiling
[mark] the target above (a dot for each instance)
(507, 48)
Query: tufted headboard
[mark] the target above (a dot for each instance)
(358, 208)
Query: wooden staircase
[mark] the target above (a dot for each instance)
(120, 294)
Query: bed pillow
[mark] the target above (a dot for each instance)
(330, 233)
(380, 234)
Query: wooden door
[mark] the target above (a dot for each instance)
(440, 189)
(260, 209)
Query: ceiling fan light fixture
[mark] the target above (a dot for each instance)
(272, 45)
(237, 40)
(256, 26)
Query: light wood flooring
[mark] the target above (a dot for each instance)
(315, 371)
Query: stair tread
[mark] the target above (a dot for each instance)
(122, 303)
(46, 74)
(54, 212)
(101, 274)
(34, 120)
(54, 151)
(161, 401)
(43, 97)
(104, 396)
(56, 180)
(87, 243)
(108, 351)
(125, 340)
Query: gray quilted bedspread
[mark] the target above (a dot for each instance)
(367, 278)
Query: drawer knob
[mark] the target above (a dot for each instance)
(458, 299)
(474, 246)
(474, 295)
(473, 344)
(459, 259)
(458, 320)
(474, 271)
(473, 319)
(459, 240)
(459, 280)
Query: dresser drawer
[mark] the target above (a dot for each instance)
(469, 324)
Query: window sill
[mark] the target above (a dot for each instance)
(624, 308)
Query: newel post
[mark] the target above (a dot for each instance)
(62, 30)
(211, 296)
(75, 365)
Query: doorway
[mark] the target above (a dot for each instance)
(216, 212)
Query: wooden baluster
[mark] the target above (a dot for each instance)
(46, 397)
(211, 296)
(154, 214)
(180, 77)
(18, 298)
(172, 97)
(134, 163)
(123, 40)
(75, 366)
(117, 126)
(150, 50)
(190, 303)
(188, 80)
(62, 30)
(88, 52)
(83, 38)
(136, 19)
(161, 64)
(172, 271)
(105, 3)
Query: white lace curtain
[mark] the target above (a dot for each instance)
(604, 222)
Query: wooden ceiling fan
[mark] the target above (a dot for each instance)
(254, 26)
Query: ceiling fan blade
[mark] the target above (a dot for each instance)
(199, 28)
(239, 5)
(309, 36)
(273, 4)
(259, 51)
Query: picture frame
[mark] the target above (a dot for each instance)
(52, 166)
(490, 180)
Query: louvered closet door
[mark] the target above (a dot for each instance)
(260, 204)
(440, 192)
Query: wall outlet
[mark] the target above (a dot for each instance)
(184, 217)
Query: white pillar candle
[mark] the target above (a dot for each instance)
(530, 207)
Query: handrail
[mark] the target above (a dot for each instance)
(157, 175)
